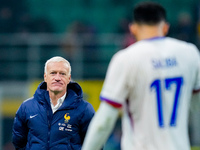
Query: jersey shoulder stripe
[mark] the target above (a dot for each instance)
(196, 91)
(112, 103)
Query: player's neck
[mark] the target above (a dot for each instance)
(149, 32)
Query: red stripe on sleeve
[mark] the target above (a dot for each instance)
(196, 91)
(112, 103)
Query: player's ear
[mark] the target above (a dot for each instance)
(133, 29)
(166, 28)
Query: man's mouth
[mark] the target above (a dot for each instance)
(57, 84)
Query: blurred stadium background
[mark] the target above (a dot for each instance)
(87, 33)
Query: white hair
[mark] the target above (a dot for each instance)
(57, 59)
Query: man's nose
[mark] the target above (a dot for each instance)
(57, 77)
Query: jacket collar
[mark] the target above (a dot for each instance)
(74, 95)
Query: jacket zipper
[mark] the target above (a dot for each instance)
(49, 128)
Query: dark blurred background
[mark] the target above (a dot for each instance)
(87, 33)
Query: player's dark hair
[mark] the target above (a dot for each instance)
(150, 13)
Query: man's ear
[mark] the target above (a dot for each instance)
(45, 76)
(69, 79)
(133, 29)
(166, 28)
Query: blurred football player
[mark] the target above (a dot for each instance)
(152, 81)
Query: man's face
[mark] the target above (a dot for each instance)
(57, 77)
